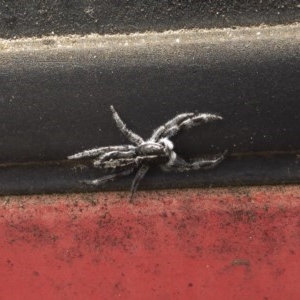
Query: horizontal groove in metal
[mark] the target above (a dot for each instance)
(234, 171)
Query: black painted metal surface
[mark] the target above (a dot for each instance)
(36, 17)
(55, 101)
(55, 95)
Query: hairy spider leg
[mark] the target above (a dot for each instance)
(114, 155)
(137, 179)
(99, 151)
(179, 164)
(157, 133)
(126, 162)
(131, 136)
(189, 123)
(108, 177)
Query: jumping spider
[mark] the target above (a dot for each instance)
(157, 150)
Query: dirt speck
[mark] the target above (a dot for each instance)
(240, 262)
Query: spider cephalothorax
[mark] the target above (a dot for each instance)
(158, 150)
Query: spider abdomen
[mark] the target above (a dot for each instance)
(150, 148)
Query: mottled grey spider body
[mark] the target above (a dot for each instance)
(157, 150)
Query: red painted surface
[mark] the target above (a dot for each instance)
(239, 243)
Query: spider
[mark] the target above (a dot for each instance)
(157, 150)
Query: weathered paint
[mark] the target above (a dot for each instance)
(234, 243)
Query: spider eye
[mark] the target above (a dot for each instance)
(167, 143)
